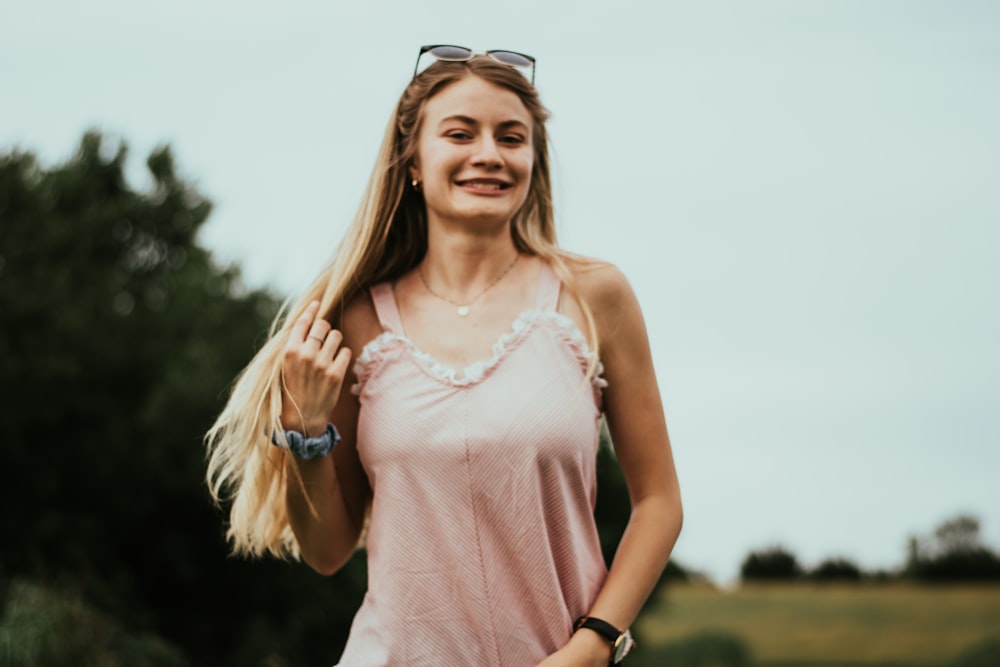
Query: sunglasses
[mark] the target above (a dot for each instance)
(460, 54)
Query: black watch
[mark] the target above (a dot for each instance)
(618, 639)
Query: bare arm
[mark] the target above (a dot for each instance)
(326, 497)
(638, 428)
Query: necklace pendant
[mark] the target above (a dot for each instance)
(463, 311)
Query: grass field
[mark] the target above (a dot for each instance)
(878, 624)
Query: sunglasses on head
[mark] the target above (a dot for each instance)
(453, 53)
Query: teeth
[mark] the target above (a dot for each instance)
(490, 185)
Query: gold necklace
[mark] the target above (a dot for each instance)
(464, 308)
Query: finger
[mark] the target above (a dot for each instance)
(338, 369)
(318, 331)
(330, 345)
(303, 322)
(342, 361)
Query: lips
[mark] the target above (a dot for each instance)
(484, 184)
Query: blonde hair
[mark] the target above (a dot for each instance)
(387, 238)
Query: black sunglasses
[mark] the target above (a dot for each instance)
(459, 54)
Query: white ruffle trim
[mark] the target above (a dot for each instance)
(476, 371)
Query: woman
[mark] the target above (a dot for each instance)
(464, 446)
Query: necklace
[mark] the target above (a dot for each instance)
(463, 308)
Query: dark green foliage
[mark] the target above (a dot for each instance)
(956, 553)
(978, 565)
(983, 654)
(774, 563)
(958, 535)
(708, 649)
(953, 553)
(835, 569)
(613, 505)
(57, 629)
(119, 337)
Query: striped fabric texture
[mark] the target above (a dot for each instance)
(482, 547)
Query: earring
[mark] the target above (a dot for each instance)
(417, 185)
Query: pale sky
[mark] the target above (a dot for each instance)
(805, 196)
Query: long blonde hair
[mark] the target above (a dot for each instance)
(387, 238)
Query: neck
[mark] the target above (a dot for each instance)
(461, 265)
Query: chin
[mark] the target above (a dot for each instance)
(488, 218)
(481, 214)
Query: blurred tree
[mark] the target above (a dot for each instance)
(775, 563)
(958, 535)
(956, 553)
(57, 629)
(613, 506)
(119, 337)
(835, 569)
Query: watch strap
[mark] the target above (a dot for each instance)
(603, 628)
(621, 642)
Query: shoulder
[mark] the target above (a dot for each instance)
(602, 284)
(606, 291)
(357, 321)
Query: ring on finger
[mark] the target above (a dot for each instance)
(319, 338)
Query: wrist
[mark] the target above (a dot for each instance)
(591, 647)
(307, 427)
(306, 448)
(618, 642)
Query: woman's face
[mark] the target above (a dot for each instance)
(474, 154)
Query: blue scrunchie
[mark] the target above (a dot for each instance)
(309, 448)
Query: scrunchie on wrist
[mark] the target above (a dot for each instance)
(308, 448)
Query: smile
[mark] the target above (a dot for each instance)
(484, 184)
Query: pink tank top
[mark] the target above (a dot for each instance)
(482, 546)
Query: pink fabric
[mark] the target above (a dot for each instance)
(482, 547)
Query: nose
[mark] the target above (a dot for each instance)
(487, 153)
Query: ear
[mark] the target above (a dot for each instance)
(414, 170)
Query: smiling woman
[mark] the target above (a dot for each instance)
(474, 156)
(464, 436)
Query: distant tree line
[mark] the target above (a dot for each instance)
(954, 553)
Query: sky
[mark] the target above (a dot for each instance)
(805, 197)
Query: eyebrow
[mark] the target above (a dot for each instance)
(472, 121)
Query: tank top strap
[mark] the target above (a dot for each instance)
(549, 286)
(385, 308)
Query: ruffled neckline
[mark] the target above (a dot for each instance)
(478, 370)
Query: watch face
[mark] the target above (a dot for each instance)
(618, 650)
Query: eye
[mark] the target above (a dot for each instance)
(512, 139)
(460, 135)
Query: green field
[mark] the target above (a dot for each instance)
(814, 624)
